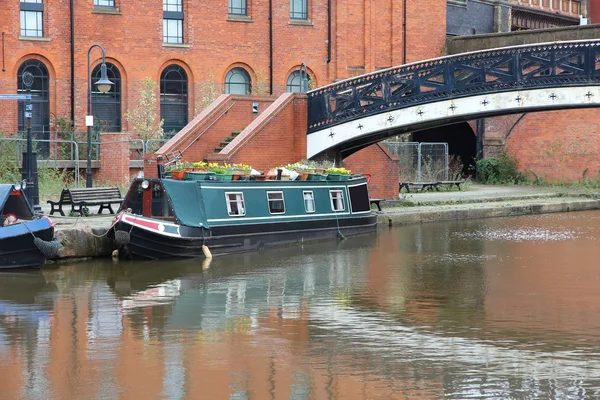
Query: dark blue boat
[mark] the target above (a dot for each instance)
(165, 218)
(18, 246)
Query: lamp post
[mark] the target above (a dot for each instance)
(27, 79)
(104, 86)
(303, 78)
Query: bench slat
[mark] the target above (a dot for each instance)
(80, 197)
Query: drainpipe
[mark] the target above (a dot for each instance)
(3, 66)
(403, 31)
(72, 16)
(328, 32)
(271, 47)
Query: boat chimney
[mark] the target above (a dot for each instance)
(279, 171)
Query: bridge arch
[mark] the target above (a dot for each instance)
(349, 115)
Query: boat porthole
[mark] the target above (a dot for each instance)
(161, 228)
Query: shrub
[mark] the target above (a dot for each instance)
(500, 170)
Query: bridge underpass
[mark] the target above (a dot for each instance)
(461, 140)
(349, 115)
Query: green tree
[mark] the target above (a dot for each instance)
(143, 117)
(207, 93)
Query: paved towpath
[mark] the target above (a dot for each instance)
(474, 196)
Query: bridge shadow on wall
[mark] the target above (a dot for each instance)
(460, 138)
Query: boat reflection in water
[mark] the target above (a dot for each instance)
(425, 311)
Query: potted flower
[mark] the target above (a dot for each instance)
(303, 170)
(176, 170)
(239, 170)
(221, 170)
(200, 166)
(338, 173)
(199, 172)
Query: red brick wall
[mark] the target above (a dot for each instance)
(594, 11)
(558, 145)
(114, 159)
(228, 114)
(364, 38)
(383, 167)
(277, 137)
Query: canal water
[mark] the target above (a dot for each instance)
(494, 308)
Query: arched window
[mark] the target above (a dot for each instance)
(238, 81)
(173, 99)
(106, 107)
(40, 120)
(294, 82)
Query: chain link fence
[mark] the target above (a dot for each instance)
(420, 162)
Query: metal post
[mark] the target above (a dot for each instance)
(303, 78)
(103, 85)
(31, 184)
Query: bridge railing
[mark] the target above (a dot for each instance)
(575, 63)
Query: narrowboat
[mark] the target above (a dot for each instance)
(24, 237)
(166, 218)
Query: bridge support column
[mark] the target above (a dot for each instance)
(480, 132)
(332, 155)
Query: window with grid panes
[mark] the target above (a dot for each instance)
(299, 9)
(238, 7)
(173, 21)
(32, 18)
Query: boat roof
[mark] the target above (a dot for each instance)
(185, 196)
(17, 205)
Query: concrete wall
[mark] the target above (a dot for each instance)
(470, 18)
(463, 44)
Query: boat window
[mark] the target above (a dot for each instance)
(309, 201)
(235, 204)
(337, 200)
(134, 198)
(276, 203)
(160, 204)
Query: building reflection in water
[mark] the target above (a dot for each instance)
(417, 312)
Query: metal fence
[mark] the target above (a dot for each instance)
(69, 154)
(420, 162)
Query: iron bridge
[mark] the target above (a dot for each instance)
(349, 115)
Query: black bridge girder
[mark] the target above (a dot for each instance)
(575, 63)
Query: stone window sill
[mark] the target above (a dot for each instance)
(239, 18)
(300, 22)
(35, 38)
(106, 10)
(177, 45)
(459, 3)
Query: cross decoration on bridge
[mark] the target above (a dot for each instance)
(360, 126)
(420, 112)
(331, 134)
(485, 102)
(519, 99)
(589, 95)
(390, 119)
(452, 107)
(553, 96)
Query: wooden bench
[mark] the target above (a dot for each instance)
(453, 183)
(376, 202)
(419, 186)
(82, 197)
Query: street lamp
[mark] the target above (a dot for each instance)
(29, 165)
(104, 86)
(303, 78)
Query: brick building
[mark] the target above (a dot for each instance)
(191, 47)
(196, 50)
